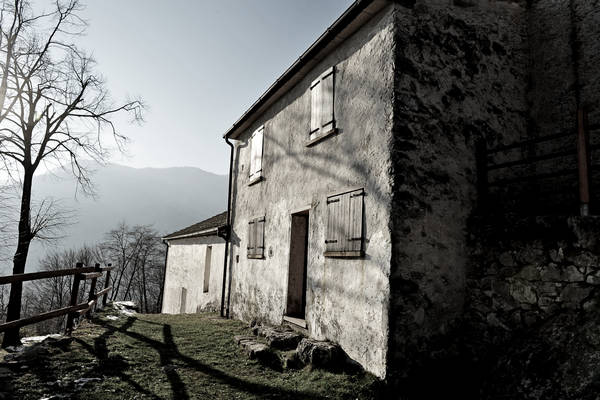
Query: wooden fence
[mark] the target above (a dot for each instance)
(74, 309)
(533, 170)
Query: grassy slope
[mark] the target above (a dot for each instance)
(179, 357)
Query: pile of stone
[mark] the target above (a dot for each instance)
(281, 347)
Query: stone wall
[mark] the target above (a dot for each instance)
(461, 76)
(527, 270)
(185, 269)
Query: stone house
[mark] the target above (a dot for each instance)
(355, 177)
(194, 269)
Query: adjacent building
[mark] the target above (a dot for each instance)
(194, 268)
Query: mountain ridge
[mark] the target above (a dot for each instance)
(168, 198)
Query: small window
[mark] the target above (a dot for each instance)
(322, 118)
(207, 261)
(344, 236)
(256, 152)
(256, 234)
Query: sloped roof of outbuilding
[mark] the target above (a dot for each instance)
(207, 227)
(349, 22)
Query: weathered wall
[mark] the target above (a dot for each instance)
(185, 268)
(347, 299)
(563, 77)
(461, 76)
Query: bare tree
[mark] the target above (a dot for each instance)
(138, 255)
(54, 110)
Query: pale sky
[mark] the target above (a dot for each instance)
(198, 64)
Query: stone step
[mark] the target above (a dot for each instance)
(280, 337)
(321, 354)
(256, 350)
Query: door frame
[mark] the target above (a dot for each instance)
(302, 210)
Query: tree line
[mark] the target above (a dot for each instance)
(136, 252)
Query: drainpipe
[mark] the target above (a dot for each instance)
(227, 235)
(162, 294)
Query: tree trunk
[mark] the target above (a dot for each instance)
(13, 312)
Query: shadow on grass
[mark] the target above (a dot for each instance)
(168, 353)
(113, 365)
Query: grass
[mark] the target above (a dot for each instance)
(173, 357)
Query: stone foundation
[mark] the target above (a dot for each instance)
(524, 271)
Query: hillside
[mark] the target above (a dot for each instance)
(164, 357)
(168, 198)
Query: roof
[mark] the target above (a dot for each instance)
(350, 21)
(207, 227)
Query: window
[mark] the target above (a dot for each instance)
(207, 260)
(344, 235)
(256, 151)
(322, 120)
(256, 234)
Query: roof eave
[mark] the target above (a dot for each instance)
(349, 22)
(207, 232)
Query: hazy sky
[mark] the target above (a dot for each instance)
(198, 64)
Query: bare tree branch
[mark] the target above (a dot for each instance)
(55, 109)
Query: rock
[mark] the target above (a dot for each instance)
(320, 354)
(557, 256)
(594, 278)
(572, 274)
(238, 339)
(81, 382)
(530, 273)
(506, 259)
(522, 293)
(125, 307)
(585, 260)
(531, 254)
(282, 338)
(550, 272)
(258, 351)
(290, 360)
(574, 294)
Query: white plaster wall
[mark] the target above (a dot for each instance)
(185, 268)
(347, 299)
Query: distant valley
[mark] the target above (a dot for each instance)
(167, 198)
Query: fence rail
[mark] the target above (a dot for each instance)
(505, 174)
(79, 273)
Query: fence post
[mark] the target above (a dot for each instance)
(92, 295)
(106, 284)
(74, 297)
(583, 162)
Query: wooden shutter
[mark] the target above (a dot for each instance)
(333, 238)
(315, 107)
(260, 237)
(256, 151)
(355, 225)
(326, 109)
(251, 237)
(344, 234)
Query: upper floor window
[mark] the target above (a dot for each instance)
(322, 118)
(256, 152)
(344, 235)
